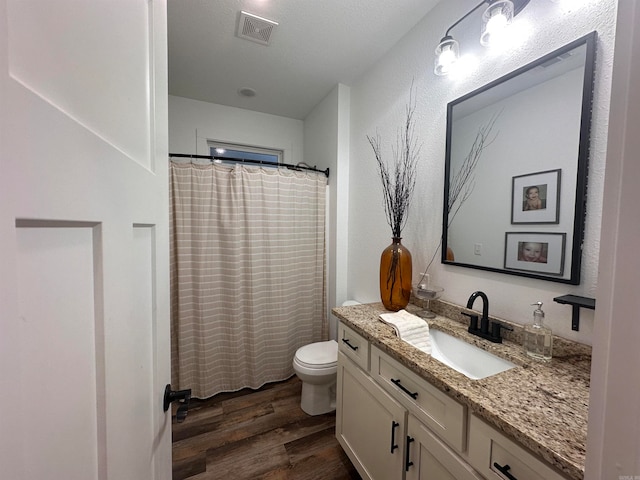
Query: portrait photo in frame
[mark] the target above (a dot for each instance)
(535, 198)
(535, 252)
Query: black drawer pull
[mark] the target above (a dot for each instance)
(504, 470)
(346, 340)
(397, 383)
(394, 424)
(407, 462)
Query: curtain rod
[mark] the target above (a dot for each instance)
(249, 160)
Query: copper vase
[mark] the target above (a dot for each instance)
(395, 276)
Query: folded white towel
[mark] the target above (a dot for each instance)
(410, 328)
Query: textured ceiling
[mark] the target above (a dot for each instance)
(317, 44)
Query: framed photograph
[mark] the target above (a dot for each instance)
(535, 252)
(535, 198)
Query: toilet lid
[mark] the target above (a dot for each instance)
(318, 355)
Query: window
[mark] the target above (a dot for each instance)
(267, 157)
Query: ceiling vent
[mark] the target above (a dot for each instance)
(254, 28)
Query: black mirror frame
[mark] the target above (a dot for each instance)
(590, 41)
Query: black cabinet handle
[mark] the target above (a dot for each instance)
(504, 470)
(346, 340)
(397, 383)
(407, 462)
(394, 425)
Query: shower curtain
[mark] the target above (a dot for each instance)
(247, 273)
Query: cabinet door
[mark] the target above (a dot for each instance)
(427, 458)
(370, 425)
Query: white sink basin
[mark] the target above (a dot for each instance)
(467, 359)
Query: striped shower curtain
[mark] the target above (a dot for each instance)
(247, 273)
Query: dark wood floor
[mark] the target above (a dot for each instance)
(261, 434)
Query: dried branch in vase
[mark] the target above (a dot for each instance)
(399, 179)
(398, 183)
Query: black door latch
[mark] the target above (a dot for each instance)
(182, 397)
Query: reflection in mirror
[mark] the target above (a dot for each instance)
(527, 191)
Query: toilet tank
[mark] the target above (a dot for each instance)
(333, 321)
(349, 303)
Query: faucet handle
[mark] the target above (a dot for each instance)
(473, 323)
(497, 328)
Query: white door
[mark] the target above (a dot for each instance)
(84, 300)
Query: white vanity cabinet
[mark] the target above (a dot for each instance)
(370, 424)
(393, 424)
(386, 435)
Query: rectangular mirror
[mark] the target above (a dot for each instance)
(516, 169)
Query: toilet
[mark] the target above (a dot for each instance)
(316, 365)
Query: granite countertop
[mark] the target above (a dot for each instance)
(542, 405)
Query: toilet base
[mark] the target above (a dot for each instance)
(318, 399)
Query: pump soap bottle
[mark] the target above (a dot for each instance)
(537, 338)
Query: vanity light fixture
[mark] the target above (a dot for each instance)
(495, 18)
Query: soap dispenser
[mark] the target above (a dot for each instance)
(537, 338)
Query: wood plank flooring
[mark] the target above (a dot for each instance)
(258, 434)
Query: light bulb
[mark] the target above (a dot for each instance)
(495, 19)
(447, 57)
(447, 54)
(496, 23)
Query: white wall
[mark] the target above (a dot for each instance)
(326, 143)
(378, 103)
(192, 123)
(613, 443)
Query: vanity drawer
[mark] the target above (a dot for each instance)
(441, 413)
(488, 446)
(354, 346)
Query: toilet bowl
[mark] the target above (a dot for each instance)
(316, 365)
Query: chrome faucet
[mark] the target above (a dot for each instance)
(492, 334)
